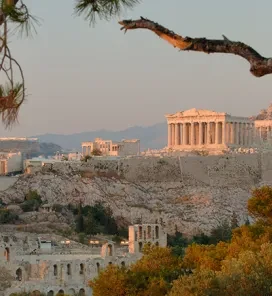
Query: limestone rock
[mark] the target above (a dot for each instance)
(190, 193)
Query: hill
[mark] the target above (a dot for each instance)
(154, 136)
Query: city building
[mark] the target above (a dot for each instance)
(110, 148)
(52, 266)
(208, 130)
(23, 145)
(10, 163)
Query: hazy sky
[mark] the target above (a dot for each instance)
(81, 78)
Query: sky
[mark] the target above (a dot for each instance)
(81, 78)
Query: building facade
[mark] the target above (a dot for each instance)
(43, 266)
(10, 163)
(110, 148)
(204, 129)
(263, 129)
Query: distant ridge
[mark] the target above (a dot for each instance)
(153, 137)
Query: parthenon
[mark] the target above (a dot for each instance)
(205, 129)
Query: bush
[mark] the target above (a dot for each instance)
(7, 216)
(32, 202)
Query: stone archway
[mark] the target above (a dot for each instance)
(71, 292)
(50, 293)
(110, 250)
(36, 293)
(60, 293)
(81, 292)
(19, 274)
(7, 254)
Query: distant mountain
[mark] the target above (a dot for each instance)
(153, 137)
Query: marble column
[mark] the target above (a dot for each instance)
(216, 133)
(192, 133)
(177, 134)
(169, 136)
(208, 133)
(246, 128)
(223, 132)
(200, 133)
(232, 133)
(236, 133)
(184, 134)
(249, 140)
(241, 135)
(227, 132)
(173, 134)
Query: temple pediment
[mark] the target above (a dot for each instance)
(195, 112)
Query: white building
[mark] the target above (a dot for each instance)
(110, 148)
(10, 163)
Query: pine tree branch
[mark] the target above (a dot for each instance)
(259, 65)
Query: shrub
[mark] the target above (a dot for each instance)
(7, 216)
(32, 201)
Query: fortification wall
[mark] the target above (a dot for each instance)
(221, 170)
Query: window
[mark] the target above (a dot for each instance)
(98, 267)
(157, 232)
(140, 232)
(140, 246)
(69, 269)
(81, 266)
(55, 270)
(19, 274)
(149, 232)
(7, 254)
(110, 250)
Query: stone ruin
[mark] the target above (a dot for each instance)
(39, 264)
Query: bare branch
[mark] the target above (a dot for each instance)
(259, 65)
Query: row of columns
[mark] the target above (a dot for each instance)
(210, 133)
(86, 150)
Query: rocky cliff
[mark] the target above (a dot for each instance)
(190, 193)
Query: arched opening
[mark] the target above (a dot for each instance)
(36, 293)
(110, 263)
(140, 246)
(7, 254)
(149, 232)
(60, 293)
(71, 292)
(55, 270)
(19, 274)
(109, 250)
(68, 269)
(157, 244)
(123, 264)
(50, 293)
(81, 268)
(98, 267)
(81, 292)
(157, 232)
(140, 232)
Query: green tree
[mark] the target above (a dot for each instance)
(32, 201)
(80, 219)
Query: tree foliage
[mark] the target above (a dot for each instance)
(239, 265)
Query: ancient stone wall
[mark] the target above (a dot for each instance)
(225, 170)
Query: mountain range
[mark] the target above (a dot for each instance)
(154, 137)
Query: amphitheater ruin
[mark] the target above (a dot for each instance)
(40, 265)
